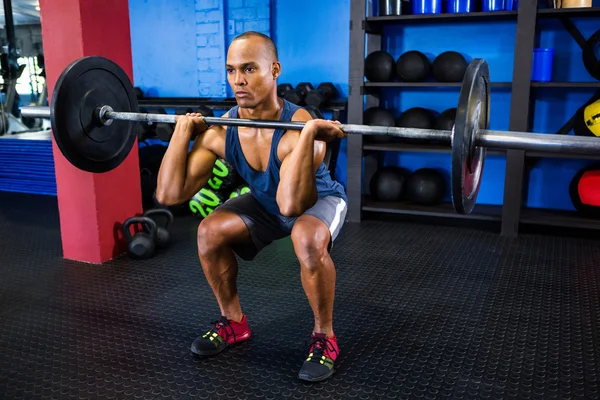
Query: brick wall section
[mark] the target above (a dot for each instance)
(247, 15)
(215, 32)
(210, 39)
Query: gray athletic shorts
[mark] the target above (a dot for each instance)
(265, 227)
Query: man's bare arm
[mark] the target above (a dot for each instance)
(297, 189)
(183, 174)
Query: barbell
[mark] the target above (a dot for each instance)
(94, 112)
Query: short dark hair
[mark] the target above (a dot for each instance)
(270, 44)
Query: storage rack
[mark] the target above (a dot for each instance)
(521, 119)
(365, 37)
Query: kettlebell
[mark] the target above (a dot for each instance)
(163, 234)
(141, 244)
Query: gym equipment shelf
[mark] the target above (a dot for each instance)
(428, 84)
(359, 42)
(366, 37)
(375, 24)
(582, 12)
(483, 212)
(416, 148)
(557, 218)
(405, 147)
(538, 154)
(591, 84)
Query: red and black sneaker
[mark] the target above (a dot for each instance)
(223, 334)
(321, 358)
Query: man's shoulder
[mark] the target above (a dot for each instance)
(301, 115)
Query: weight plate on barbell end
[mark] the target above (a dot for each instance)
(86, 84)
(472, 114)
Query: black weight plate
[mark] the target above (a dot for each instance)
(86, 84)
(472, 114)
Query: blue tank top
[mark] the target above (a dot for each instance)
(263, 185)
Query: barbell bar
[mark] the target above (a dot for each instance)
(495, 139)
(96, 138)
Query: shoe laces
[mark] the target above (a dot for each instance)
(318, 347)
(223, 328)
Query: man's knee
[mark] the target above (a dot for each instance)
(210, 237)
(311, 238)
(219, 229)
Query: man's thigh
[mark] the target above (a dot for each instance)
(264, 227)
(331, 210)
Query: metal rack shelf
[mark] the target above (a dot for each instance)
(445, 210)
(566, 84)
(557, 218)
(366, 37)
(376, 24)
(428, 84)
(582, 12)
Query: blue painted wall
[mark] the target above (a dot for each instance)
(247, 15)
(163, 43)
(176, 55)
(210, 43)
(313, 48)
(317, 54)
(179, 47)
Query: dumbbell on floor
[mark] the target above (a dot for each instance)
(305, 88)
(139, 93)
(322, 96)
(282, 88)
(165, 131)
(148, 130)
(205, 111)
(297, 96)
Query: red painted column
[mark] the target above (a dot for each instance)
(92, 206)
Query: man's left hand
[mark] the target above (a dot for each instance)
(323, 130)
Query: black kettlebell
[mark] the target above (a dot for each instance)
(163, 234)
(141, 244)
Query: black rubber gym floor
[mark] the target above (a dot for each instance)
(421, 312)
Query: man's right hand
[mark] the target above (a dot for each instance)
(193, 121)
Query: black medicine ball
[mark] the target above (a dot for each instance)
(413, 66)
(377, 116)
(387, 184)
(379, 66)
(445, 121)
(416, 117)
(425, 186)
(591, 55)
(450, 66)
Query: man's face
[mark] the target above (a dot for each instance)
(250, 71)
